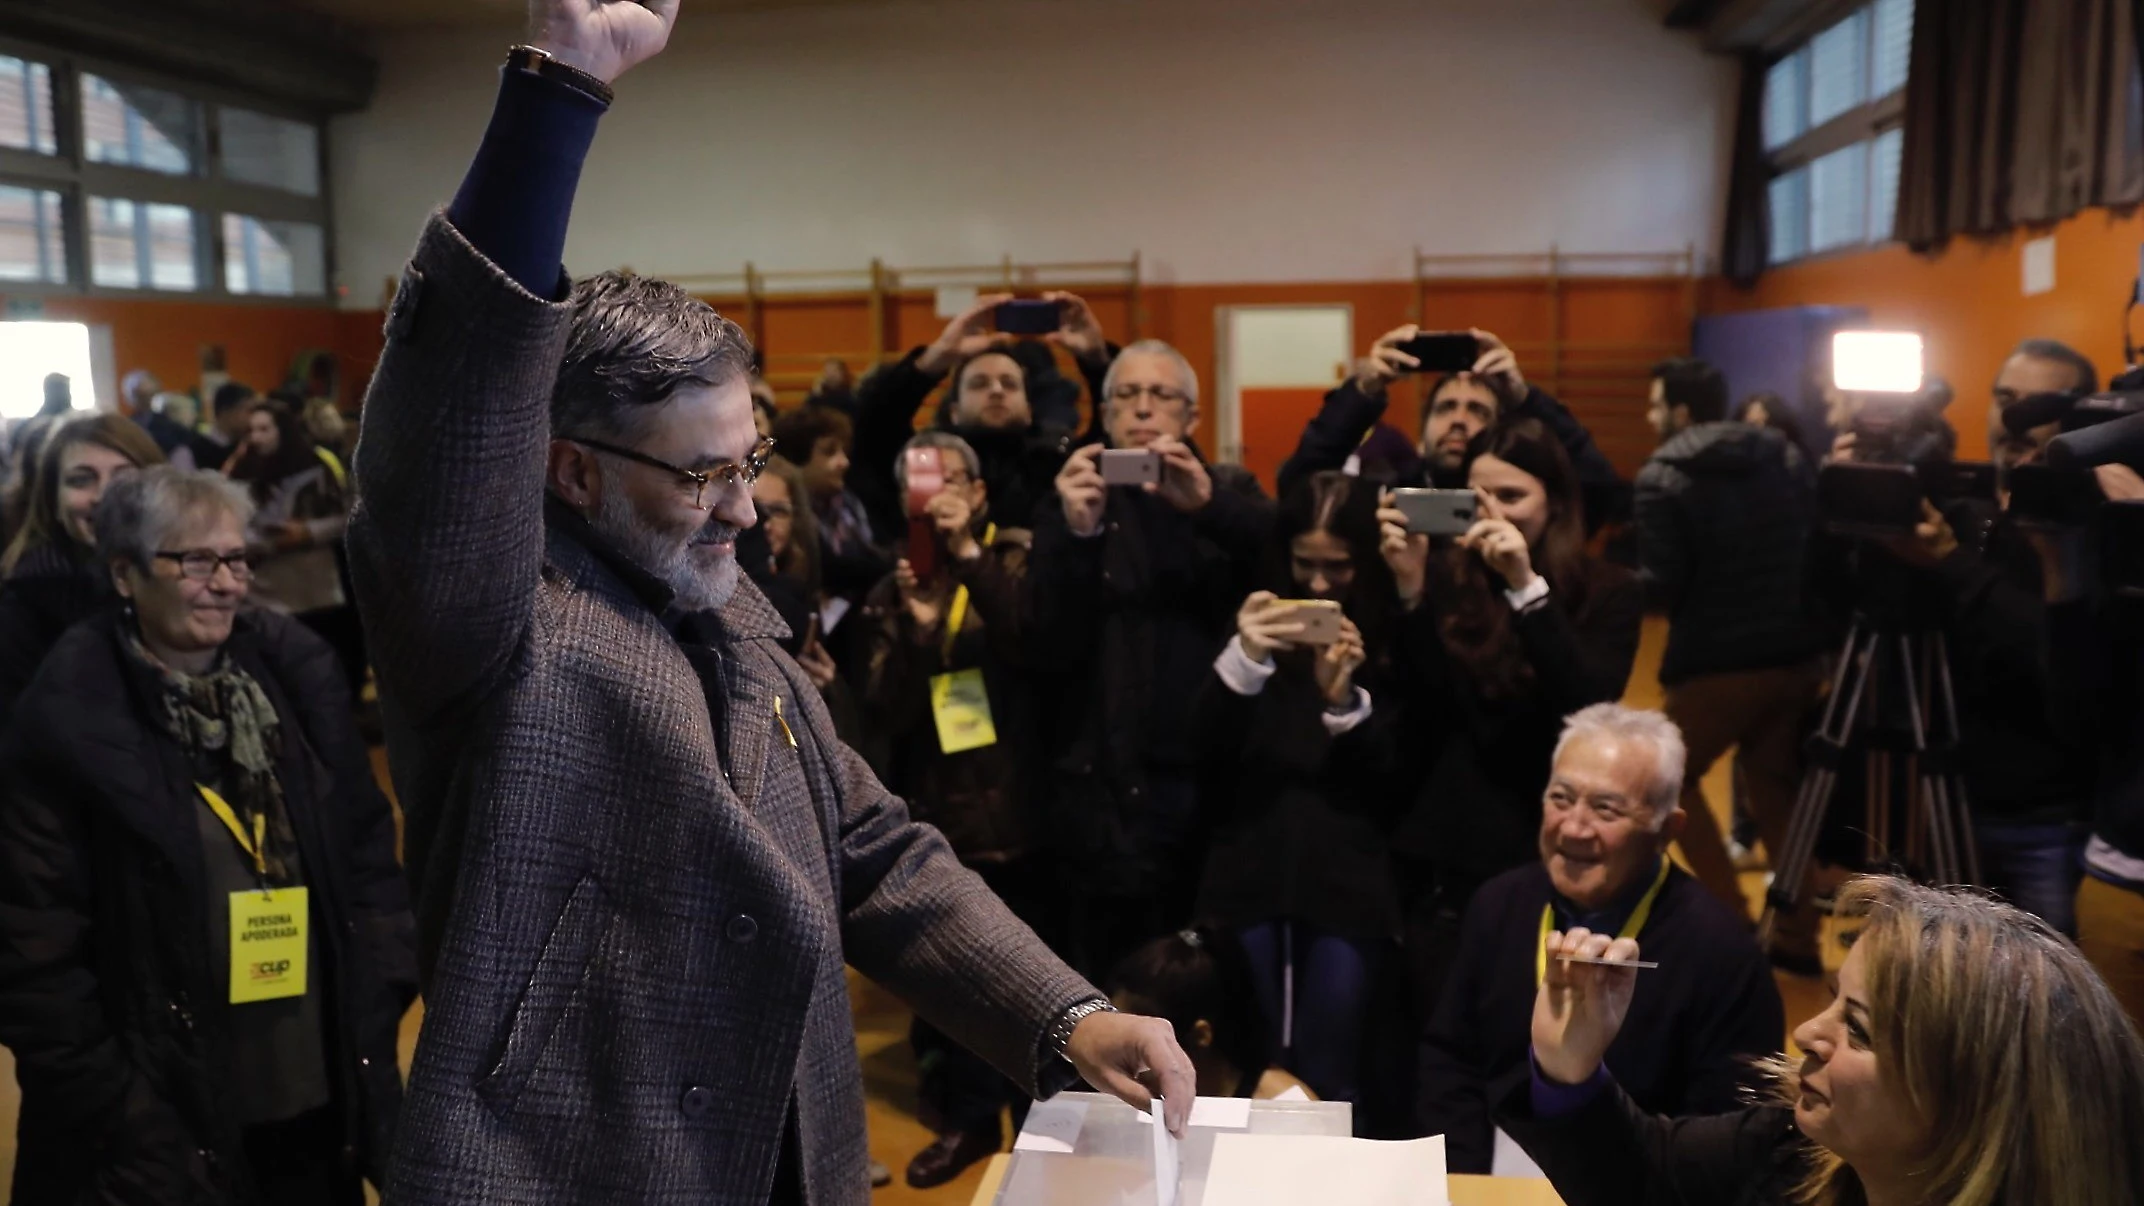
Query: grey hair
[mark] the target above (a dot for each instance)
(141, 512)
(1153, 347)
(1633, 724)
(633, 343)
(938, 439)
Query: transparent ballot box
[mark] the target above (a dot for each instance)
(1085, 1149)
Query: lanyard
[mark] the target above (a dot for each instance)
(1638, 918)
(957, 614)
(257, 847)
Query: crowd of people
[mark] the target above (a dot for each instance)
(1335, 800)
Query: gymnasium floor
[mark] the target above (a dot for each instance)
(882, 1022)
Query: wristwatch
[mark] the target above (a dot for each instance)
(1060, 1034)
(538, 61)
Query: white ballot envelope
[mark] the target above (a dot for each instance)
(1289, 1170)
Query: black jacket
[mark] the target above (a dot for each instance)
(1339, 427)
(1126, 624)
(2096, 665)
(1299, 816)
(1612, 1153)
(1686, 1047)
(50, 589)
(1019, 466)
(170, 435)
(1484, 762)
(1724, 513)
(107, 999)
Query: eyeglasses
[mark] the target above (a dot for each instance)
(199, 565)
(728, 473)
(1130, 391)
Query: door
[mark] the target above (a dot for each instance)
(1275, 365)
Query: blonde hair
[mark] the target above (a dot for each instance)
(2029, 1074)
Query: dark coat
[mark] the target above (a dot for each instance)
(983, 800)
(1299, 816)
(107, 997)
(1613, 1153)
(1686, 1047)
(1724, 514)
(642, 859)
(51, 589)
(1019, 466)
(1127, 623)
(1484, 762)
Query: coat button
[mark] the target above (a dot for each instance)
(742, 929)
(696, 1102)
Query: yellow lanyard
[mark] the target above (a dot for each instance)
(1638, 917)
(957, 614)
(257, 847)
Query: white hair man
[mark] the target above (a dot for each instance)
(1612, 806)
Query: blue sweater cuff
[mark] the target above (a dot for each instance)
(1551, 1100)
(515, 202)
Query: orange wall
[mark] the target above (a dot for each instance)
(166, 337)
(1968, 302)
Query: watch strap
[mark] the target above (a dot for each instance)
(1060, 1034)
(538, 61)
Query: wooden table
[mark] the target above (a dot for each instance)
(1465, 1191)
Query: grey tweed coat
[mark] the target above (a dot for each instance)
(635, 895)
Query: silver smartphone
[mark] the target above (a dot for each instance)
(1320, 619)
(1130, 466)
(1438, 512)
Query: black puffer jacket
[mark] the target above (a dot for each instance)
(116, 1020)
(1724, 513)
(52, 587)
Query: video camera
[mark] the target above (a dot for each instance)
(1902, 448)
(2095, 429)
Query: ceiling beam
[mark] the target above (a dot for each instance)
(253, 46)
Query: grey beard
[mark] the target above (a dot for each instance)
(701, 580)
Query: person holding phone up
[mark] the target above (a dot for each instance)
(1969, 1057)
(1506, 630)
(1297, 779)
(1477, 383)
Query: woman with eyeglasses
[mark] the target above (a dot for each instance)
(1969, 1057)
(1294, 731)
(301, 506)
(50, 570)
(1509, 628)
(205, 941)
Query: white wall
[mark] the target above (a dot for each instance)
(1227, 140)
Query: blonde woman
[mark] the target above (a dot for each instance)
(1971, 1057)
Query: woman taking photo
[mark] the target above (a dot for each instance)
(1294, 739)
(1507, 630)
(50, 570)
(300, 509)
(184, 782)
(1971, 1057)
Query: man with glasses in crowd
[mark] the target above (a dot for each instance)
(641, 856)
(1610, 811)
(1132, 590)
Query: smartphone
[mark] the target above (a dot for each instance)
(1023, 316)
(2043, 496)
(1320, 619)
(811, 633)
(924, 471)
(1869, 500)
(923, 547)
(1443, 352)
(1438, 512)
(1130, 466)
(1949, 482)
(1876, 362)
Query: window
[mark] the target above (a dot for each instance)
(32, 238)
(1832, 114)
(279, 259)
(270, 151)
(115, 180)
(30, 350)
(138, 245)
(26, 106)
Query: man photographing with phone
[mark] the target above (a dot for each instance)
(642, 860)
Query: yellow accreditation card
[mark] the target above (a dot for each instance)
(268, 944)
(960, 703)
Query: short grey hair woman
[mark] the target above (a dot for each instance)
(185, 777)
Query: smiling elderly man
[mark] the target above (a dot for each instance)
(641, 856)
(1607, 818)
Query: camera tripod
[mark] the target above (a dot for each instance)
(1884, 665)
